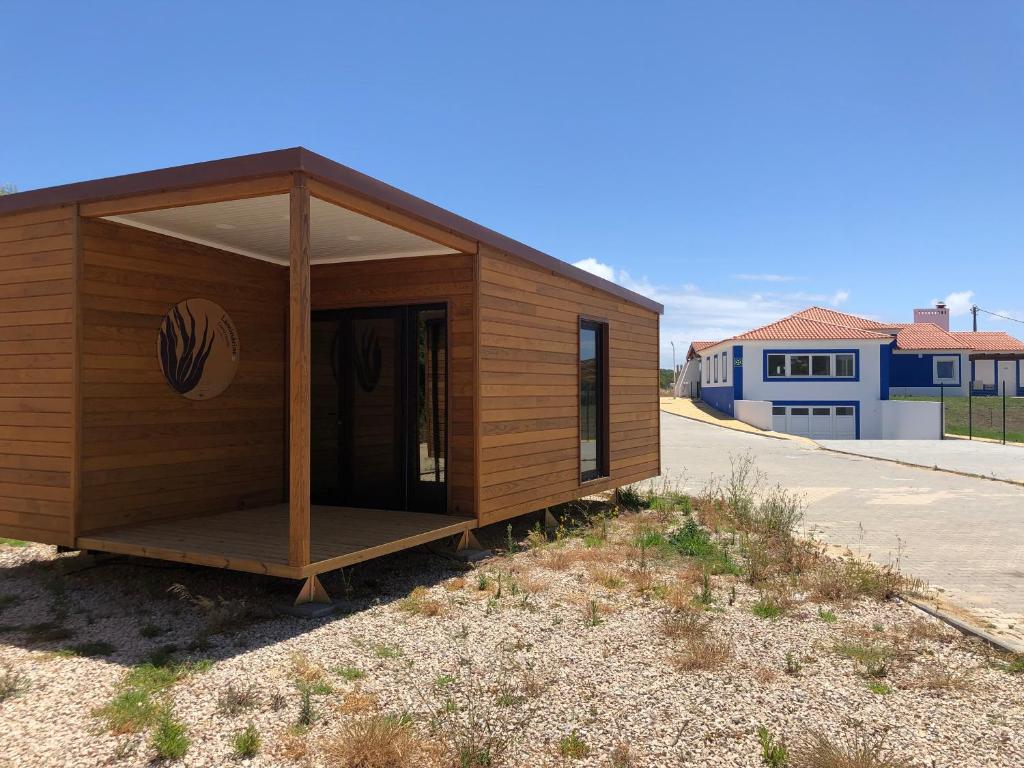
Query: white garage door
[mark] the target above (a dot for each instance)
(819, 422)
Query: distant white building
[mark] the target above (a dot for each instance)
(829, 375)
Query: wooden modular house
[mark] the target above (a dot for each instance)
(276, 364)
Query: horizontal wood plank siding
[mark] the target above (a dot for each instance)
(529, 402)
(421, 280)
(37, 253)
(147, 452)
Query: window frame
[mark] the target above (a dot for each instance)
(788, 355)
(716, 369)
(725, 366)
(949, 381)
(603, 470)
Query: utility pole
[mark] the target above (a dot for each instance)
(675, 373)
(974, 314)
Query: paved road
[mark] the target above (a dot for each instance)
(974, 457)
(963, 535)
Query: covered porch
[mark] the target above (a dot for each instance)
(240, 477)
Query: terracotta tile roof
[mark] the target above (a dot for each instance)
(797, 328)
(988, 341)
(926, 336)
(696, 347)
(842, 318)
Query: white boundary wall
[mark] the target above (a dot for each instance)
(911, 420)
(756, 413)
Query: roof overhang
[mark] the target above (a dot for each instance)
(127, 198)
(996, 355)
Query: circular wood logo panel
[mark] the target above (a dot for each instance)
(198, 349)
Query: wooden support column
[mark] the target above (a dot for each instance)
(298, 374)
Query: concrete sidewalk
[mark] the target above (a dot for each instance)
(698, 411)
(974, 458)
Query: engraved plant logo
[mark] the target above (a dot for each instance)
(198, 349)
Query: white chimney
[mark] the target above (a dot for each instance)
(938, 316)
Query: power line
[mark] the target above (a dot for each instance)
(996, 314)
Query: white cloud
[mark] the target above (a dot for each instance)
(840, 297)
(766, 278)
(959, 302)
(595, 267)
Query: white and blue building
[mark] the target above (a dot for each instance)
(831, 375)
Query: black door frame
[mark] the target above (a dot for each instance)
(413, 495)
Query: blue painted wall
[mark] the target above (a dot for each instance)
(913, 371)
(721, 398)
(884, 371)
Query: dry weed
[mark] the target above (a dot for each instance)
(419, 603)
(358, 701)
(685, 625)
(702, 654)
(861, 751)
(379, 741)
(456, 584)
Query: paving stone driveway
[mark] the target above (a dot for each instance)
(963, 535)
(973, 457)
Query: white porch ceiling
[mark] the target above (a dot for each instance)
(258, 227)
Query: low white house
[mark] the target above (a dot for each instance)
(829, 374)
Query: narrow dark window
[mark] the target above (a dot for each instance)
(593, 400)
(821, 365)
(799, 365)
(776, 365)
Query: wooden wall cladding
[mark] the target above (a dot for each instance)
(36, 375)
(421, 280)
(147, 452)
(529, 406)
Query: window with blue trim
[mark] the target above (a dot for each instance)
(810, 365)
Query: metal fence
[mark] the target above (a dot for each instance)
(983, 413)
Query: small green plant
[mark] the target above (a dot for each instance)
(773, 752)
(170, 738)
(732, 595)
(873, 659)
(631, 497)
(767, 608)
(246, 743)
(705, 596)
(483, 582)
(877, 686)
(593, 614)
(443, 681)
(827, 616)
(694, 541)
(573, 747)
(12, 683)
(1016, 665)
(350, 673)
(511, 545)
(129, 712)
(307, 710)
(793, 665)
(385, 651)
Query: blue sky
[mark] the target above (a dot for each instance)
(736, 161)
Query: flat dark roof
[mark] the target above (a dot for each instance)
(299, 159)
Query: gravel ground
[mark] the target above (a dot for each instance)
(572, 645)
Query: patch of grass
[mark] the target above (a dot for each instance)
(608, 578)
(94, 648)
(350, 673)
(573, 747)
(827, 616)
(443, 681)
(694, 541)
(1016, 665)
(987, 416)
(767, 607)
(4, 541)
(419, 603)
(877, 686)
(12, 682)
(129, 712)
(874, 659)
(246, 743)
(822, 750)
(385, 651)
(170, 737)
(233, 700)
(773, 752)
(685, 625)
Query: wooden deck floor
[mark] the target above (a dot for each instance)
(256, 540)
